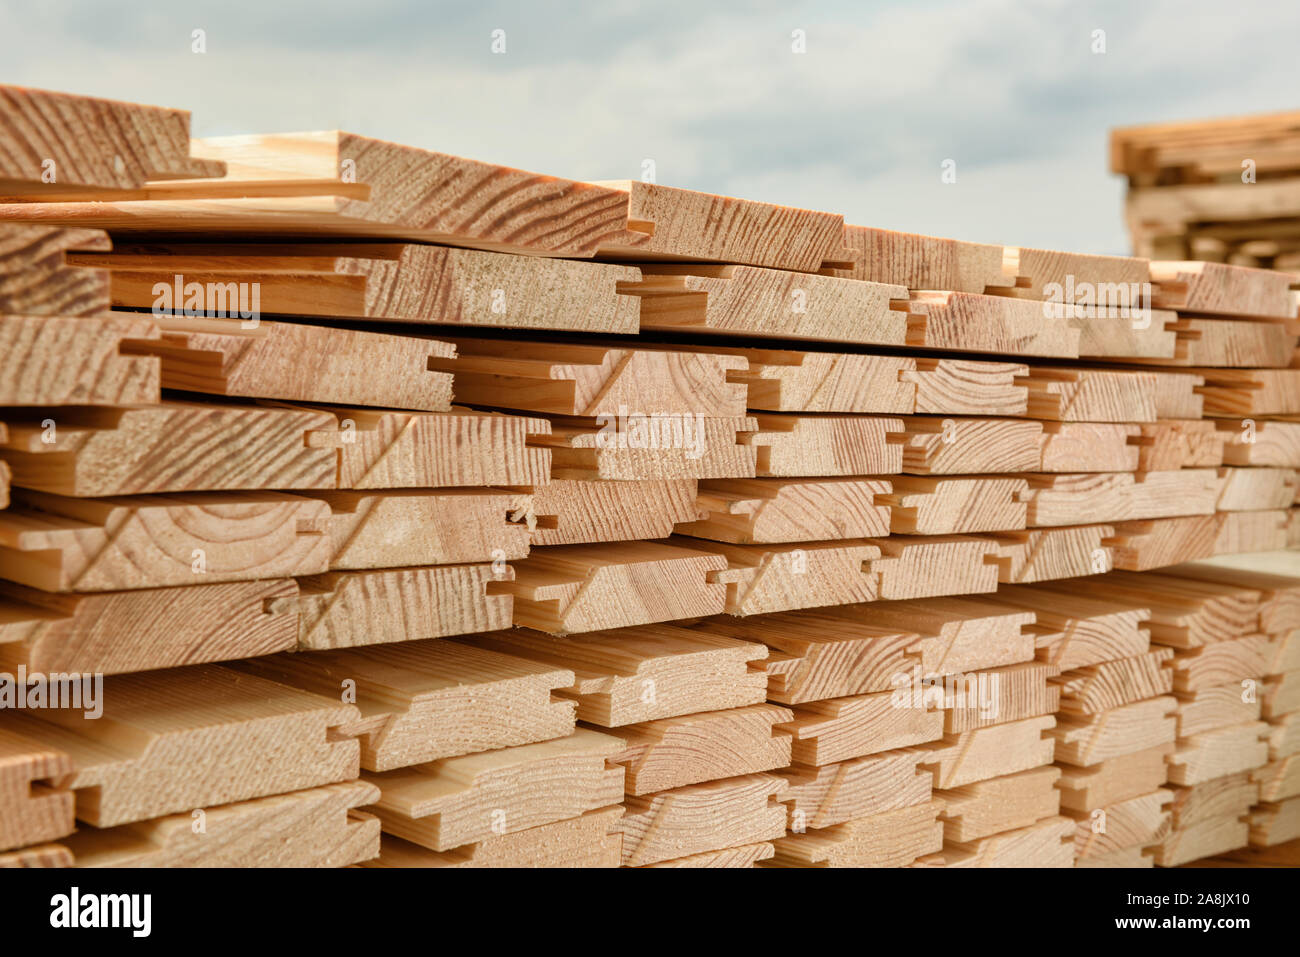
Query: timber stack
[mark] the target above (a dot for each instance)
(367, 505)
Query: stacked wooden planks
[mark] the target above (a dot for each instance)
(1225, 190)
(420, 512)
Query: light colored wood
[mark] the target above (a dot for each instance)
(1179, 444)
(40, 855)
(629, 676)
(35, 807)
(1139, 546)
(566, 589)
(1272, 824)
(1279, 779)
(1083, 740)
(1091, 395)
(1004, 803)
(1089, 447)
(1051, 553)
(1074, 631)
(115, 632)
(888, 839)
(1279, 597)
(761, 579)
(1236, 659)
(1076, 498)
(1281, 695)
(656, 448)
(1113, 780)
(347, 609)
(93, 142)
(1228, 794)
(562, 378)
(789, 445)
(1271, 443)
(788, 381)
(1047, 843)
(954, 446)
(422, 701)
(1219, 288)
(1000, 695)
(702, 817)
(1035, 269)
(315, 828)
(392, 529)
(56, 360)
(36, 278)
(582, 841)
(58, 543)
(707, 746)
(774, 511)
(1232, 393)
(927, 262)
(968, 387)
(837, 729)
(1218, 753)
(1233, 343)
(389, 282)
(926, 566)
(171, 741)
(170, 447)
(1136, 822)
(1127, 857)
(946, 506)
(990, 324)
(1215, 836)
(988, 752)
(1284, 736)
(1111, 684)
(464, 800)
(741, 300)
(573, 512)
(746, 855)
(385, 448)
(299, 363)
(1218, 706)
(1184, 612)
(836, 793)
(1246, 489)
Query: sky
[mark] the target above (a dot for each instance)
(1009, 94)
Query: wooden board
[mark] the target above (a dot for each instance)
(988, 752)
(1217, 706)
(1089, 447)
(389, 282)
(1179, 444)
(561, 378)
(741, 300)
(1072, 630)
(1092, 395)
(56, 360)
(822, 446)
(945, 506)
(1113, 780)
(1220, 662)
(36, 808)
(1231, 393)
(1279, 598)
(1232, 343)
(836, 793)
(837, 729)
(1215, 754)
(1215, 836)
(702, 817)
(1082, 274)
(1111, 684)
(58, 543)
(1077, 498)
(1184, 612)
(1005, 803)
(888, 839)
(1228, 794)
(1046, 843)
(422, 701)
(1084, 740)
(92, 142)
(954, 446)
(775, 511)
(1052, 553)
(464, 800)
(299, 363)
(634, 675)
(315, 828)
(1222, 289)
(347, 609)
(36, 278)
(115, 632)
(1272, 824)
(582, 841)
(990, 324)
(1000, 695)
(927, 262)
(650, 448)
(1268, 443)
(1135, 822)
(171, 741)
(706, 746)
(565, 589)
(574, 512)
(1139, 546)
(39, 855)
(746, 855)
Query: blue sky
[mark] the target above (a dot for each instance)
(712, 92)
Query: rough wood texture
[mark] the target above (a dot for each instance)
(1074, 631)
(1237, 659)
(788, 381)
(53, 360)
(422, 701)
(93, 142)
(1089, 447)
(1110, 684)
(888, 839)
(702, 817)
(988, 752)
(574, 512)
(36, 278)
(927, 262)
(1217, 706)
(58, 543)
(1091, 395)
(116, 632)
(645, 447)
(392, 282)
(741, 300)
(1251, 392)
(944, 506)
(1132, 823)
(1221, 288)
(1042, 554)
(1084, 740)
(583, 841)
(925, 566)
(1230, 794)
(760, 579)
(1267, 443)
(829, 795)
(346, 609)
(40, 855)
(694, 748)
(1003, 694)
(1004, 803)
(936, 446)
(837, 729)
(1180, 443)
(171, 447)
(634, 675)
(774, 511)
(577, 588)
(824, 446)
(1035, 269)
(1272, 824)
(587, 380)
(1139, 546)
(989, 324)
(36, 809)
(1078, 498)
(316, 828)
(299, 363)
(1185, 612)
(446, 804)
(194, 737)
(1113, 780)
(1215, 754)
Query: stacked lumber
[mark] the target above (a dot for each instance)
(414, 511)
(1219, 190)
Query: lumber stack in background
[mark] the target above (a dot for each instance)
(639, 527)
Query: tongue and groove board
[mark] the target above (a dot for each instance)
(38, 276)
